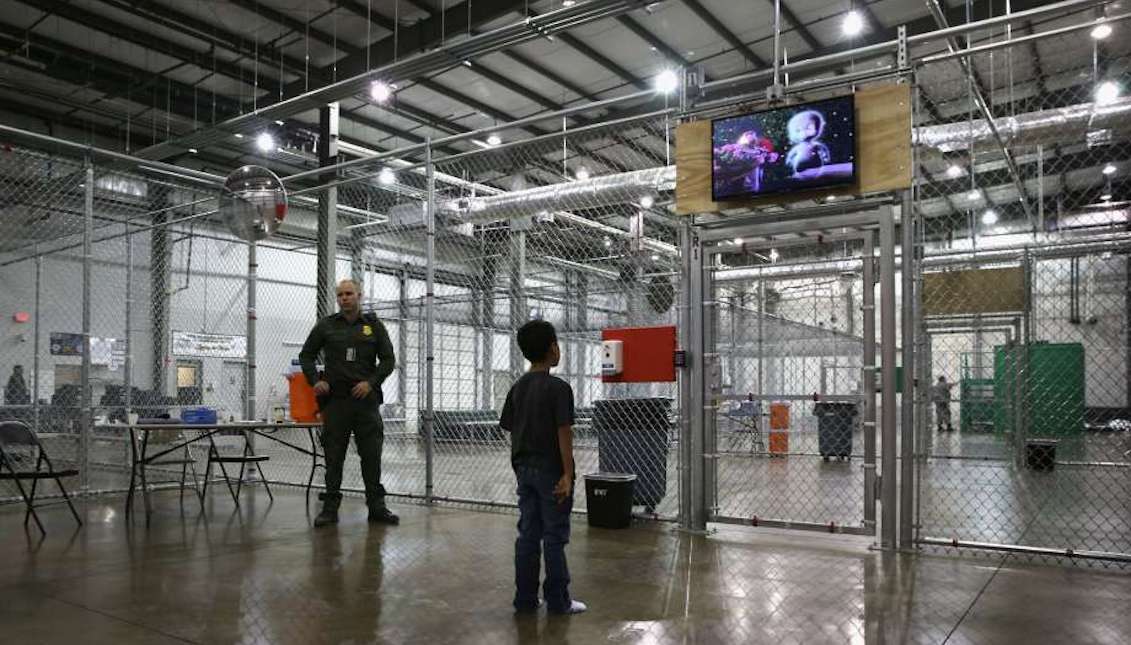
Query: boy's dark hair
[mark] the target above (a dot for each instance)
(535, 338)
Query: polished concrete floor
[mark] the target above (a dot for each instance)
(263, 575)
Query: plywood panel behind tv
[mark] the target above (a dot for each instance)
(883, 140)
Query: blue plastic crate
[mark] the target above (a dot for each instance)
(199, 415)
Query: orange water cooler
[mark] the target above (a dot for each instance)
(304, 407)
(779, 428)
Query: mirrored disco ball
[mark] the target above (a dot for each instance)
(253, 203)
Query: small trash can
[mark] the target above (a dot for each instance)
(1040, 454)
(608, 498)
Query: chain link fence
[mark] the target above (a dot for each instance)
(789, 336)
(1024, 279)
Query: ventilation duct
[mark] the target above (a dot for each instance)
(1070, 124)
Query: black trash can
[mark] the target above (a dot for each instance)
(608, 499)
(1040, 454)
(835, 420)
(632, 437)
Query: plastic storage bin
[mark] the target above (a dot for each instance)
(632, 437)
(608, 498)
(201, 416)
(835, 420)
(304, 406)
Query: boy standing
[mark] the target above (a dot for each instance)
(539, 415)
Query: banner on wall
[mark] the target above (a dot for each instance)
(202, 345)
(65, 344)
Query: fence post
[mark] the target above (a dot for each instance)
(907, 401)
(86, 420)
(868, 380)
(887, 380)
(430, 319)
(252, 282)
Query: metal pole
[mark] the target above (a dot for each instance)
(697, 511)
(713, 379)
(889, 419)
(327, 238)
(402, 338)
(127, 377)
(868, 380)
(775, 89)
(35, 342)
(430, 318)
(686, 397)
(87, 419)
(252, 277)
(907, 401)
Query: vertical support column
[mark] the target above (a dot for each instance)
(696, 517)
(712, 380)
(35, 343)
(486, 307)
(402, 337)
(519, 311)
(430, 320)
(87, 418)
(127, 377)
(159, 279)
(327, 242)
(907, 401)
(252, 283)
(868, 379)
(889, 418)
(582, 320)
(1126, 326)
(761, 342)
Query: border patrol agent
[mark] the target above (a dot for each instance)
(359, 357)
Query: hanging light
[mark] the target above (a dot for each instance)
(608, 242)
(1107, 93)
(666, 81)
(655, 257)
(380, 91)
(386, 176)
(1109, 169)
(647, 201)
(1106, 197)
(738, 241)
(773, 255)
(989, 218)
(954, 171)
(494, 139)
(852, 24)
(1099, 32)
(582, 173)
(973, 195)
(265, 142)
(568, 3)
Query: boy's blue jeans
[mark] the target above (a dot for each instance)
(543, 531)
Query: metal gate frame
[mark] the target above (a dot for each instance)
(698, 432)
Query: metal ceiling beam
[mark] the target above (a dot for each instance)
(602, 60)
(359, 68)
(723, 32)
(366, 11)
(653, 40)
(938, 12)
(802, 30)
(293, 24)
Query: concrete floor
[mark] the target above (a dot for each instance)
(445, 576)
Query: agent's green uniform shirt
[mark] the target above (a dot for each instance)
(353, 352)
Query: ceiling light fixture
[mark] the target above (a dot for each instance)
(1109, 169)
(647, 201)
(773, 255)
(1107, 93)
(954, 171)
(238, 135)
(972, 195)
(853, 23)
(666, 81)
(494, 139)
(265, 142)
(582, 173)
(380, 91)
(1106, 197)
(989, 217)
(1101, 31)
(386, 176)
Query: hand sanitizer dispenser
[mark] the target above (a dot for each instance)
(612, 358)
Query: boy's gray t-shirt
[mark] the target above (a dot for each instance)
(537, 405)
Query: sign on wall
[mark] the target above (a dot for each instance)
(65, 344)
(202, 345)
(110, 352)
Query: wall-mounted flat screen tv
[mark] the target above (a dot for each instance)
(798, 147)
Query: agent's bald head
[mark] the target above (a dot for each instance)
(349, 297)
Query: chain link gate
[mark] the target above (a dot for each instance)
(791, 370)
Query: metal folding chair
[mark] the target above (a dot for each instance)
(246, 457)
(19, 446)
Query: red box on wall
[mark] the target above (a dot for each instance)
(649, 354)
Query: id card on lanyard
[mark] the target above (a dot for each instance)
(351, 354)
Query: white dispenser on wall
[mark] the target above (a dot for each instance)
(612, 357)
